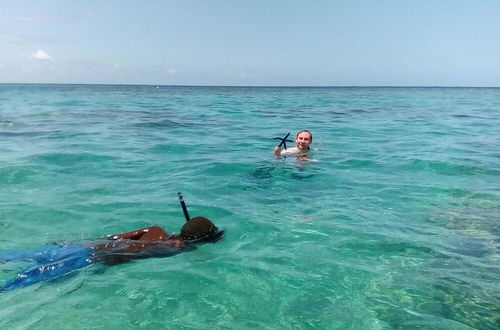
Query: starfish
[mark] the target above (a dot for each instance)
(283, 140)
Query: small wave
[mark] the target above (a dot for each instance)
(17, 174)
(69, 159)
(164, 123)
(447, 168)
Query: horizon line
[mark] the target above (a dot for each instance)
(250, 86)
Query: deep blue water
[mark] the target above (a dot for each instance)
(396, 225)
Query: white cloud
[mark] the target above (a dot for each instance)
(41, 55)
(172, 71)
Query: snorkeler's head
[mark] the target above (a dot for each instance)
(200, 229)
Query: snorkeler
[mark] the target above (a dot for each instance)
(303, 140)
(61, 259)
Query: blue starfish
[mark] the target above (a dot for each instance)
(283, 140)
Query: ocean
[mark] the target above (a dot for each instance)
(394, 225)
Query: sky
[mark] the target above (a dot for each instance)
(252, 42)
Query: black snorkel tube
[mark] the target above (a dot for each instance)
(283, 140)
(183, 205)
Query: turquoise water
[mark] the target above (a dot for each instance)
(395, 226)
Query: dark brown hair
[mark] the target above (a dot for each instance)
(200, 228)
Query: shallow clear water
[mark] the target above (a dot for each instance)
(396, 226)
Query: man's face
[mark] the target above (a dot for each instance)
(303, 140)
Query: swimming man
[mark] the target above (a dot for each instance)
(303, 140)
(61, 259)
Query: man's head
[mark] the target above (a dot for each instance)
(303, 139)
(199, 229)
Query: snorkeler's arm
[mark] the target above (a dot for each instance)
(112, 255)
(147, 245)
(143, 234)
(123, 250)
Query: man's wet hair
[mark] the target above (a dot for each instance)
(199, 229)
